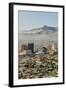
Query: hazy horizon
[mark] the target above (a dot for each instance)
(28, 20)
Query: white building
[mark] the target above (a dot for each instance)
(39, 52)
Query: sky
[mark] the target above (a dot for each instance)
(35, 19)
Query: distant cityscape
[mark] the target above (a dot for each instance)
(38, 63)
(29, 49)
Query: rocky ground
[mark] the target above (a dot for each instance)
(38, 66)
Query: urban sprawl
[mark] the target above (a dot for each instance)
(37, 63)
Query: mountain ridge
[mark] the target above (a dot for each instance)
(45, 29)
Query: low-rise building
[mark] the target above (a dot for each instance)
(25, 52)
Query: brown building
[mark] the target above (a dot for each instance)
(51, 48)
(22, 47)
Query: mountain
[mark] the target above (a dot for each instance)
(42, 30)
(42, 36)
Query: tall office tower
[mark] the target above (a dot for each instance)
(31, 47)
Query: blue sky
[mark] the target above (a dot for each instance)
(35, 19)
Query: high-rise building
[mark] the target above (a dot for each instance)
(31, 47)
